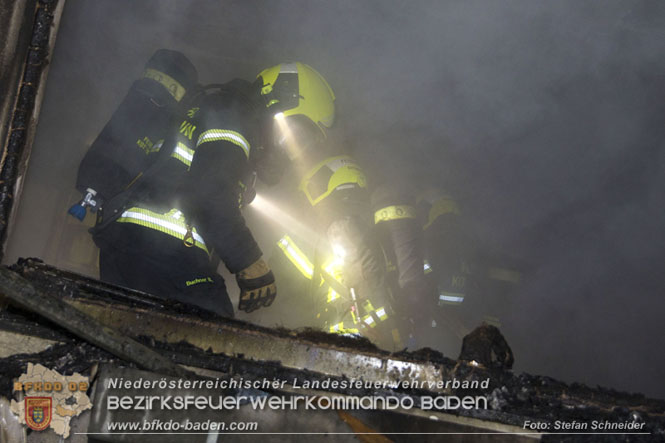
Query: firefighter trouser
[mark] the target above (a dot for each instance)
(184, 282)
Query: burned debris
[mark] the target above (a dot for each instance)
(486, 346)
(219, 347)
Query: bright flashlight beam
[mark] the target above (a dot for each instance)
(280, 217)
(293, 149)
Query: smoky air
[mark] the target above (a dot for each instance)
(543, 119)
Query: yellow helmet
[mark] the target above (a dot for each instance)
(296, 89)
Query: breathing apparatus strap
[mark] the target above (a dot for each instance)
(133, 192)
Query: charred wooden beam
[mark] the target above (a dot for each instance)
(22, 292)
(216, 346)
(34, 63)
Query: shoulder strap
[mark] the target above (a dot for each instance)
(113, 208)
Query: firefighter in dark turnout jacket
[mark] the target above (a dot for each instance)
(185, 206)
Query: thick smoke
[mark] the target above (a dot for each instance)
(544, 118)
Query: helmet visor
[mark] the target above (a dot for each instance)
(284, 94)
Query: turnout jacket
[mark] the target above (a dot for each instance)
(226, 125)
(194, 198)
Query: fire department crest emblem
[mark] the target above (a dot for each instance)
(38, 412)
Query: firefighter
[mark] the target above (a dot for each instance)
(184, 208)
(473, 282)
(399, 230)
(334, 187)
(448, 245)
(450, 268)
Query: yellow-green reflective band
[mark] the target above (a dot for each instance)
(427, 268)
(381, 313)
(172, 85)
(296, 256)
(339, 329)
(183, 153)
(171, 223)
(332, 295)
(334, 269)
(369, 321)
(444, 205)
(451, 298)
(395, 212)
(234, 137)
